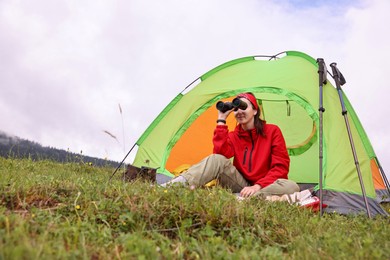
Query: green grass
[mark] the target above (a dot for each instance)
(71, 211)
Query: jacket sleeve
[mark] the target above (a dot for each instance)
(221, 141)
(280, 160)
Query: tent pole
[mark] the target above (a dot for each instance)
(340, 80)
(322, 80)
(117, 168)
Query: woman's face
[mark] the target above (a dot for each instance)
(245, 117)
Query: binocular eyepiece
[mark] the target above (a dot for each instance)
(236, 104)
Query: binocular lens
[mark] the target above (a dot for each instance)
(236, 104)
(239, 104)
(224, 106)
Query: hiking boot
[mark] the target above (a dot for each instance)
(177, 180)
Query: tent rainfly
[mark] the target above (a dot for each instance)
(286, 86)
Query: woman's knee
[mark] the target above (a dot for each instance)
(218, 158)
(288, 186)
(280, 187)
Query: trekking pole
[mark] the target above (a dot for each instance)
(340, 80)
(322, 80)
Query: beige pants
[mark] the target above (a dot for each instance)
(218, 167)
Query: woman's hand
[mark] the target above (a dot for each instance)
(250, 190)
(224, 115)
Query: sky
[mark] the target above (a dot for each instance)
(71, 70)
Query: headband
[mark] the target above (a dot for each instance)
(251, 98)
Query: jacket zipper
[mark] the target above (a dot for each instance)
(250, 155)
(246, 150)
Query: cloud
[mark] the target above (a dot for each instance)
(366, 71)
(66, 66)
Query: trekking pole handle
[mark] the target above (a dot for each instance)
(337, 75)
(322, 70)
(339, 79)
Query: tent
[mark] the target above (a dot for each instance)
(286, 86)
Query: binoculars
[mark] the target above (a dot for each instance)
(236, 104)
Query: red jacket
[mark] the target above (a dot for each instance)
(260, 159)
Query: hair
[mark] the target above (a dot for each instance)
(258, 122)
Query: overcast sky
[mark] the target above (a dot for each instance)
(65, 66)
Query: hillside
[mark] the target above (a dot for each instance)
(15, 147)
(51, 210)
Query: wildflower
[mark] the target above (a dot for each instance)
(165, 191)
(78, 207)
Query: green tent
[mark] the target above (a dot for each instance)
(287, 88)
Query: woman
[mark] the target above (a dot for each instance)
(261, 162)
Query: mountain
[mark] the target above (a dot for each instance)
(15, 147)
